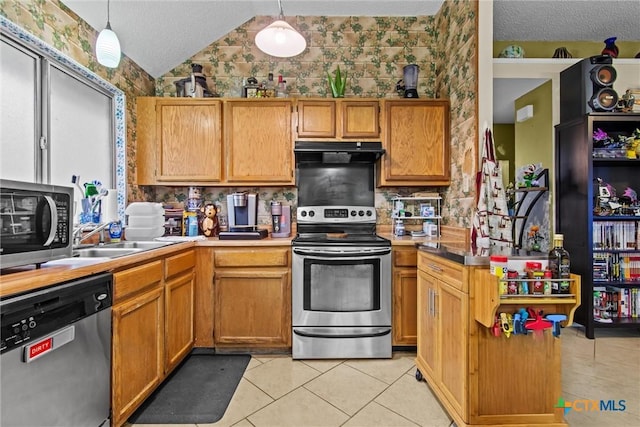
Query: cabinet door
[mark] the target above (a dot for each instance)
(259, 142)
(179, 319)
(427, 326)
(453, 313)
(253, 307)
(416, 140)
(137, 350)
(359, 119)
(405, 323)
(405, 279)
(189, 138)
(317, 119)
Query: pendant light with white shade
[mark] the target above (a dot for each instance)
(280, 39)
(108, 46)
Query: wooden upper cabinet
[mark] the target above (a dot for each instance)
(259, 141)
(179, 141)
(416, 140)
(316, 119)
(338, 119)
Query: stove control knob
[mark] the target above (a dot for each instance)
(303, 213)
(361, 213)
(369, 213)
(354, 213)
(312, 214)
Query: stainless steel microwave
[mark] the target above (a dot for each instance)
(35, 223)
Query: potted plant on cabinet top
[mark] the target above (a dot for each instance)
(337, 83)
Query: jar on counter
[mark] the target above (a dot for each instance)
(512, 282)
(498, 265)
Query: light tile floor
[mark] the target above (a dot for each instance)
(277, 391)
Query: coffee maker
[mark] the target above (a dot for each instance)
(280, 219)
(242, 210)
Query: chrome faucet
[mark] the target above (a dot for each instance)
(78, 238)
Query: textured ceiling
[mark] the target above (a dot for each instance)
(161, 34)
(549, 20)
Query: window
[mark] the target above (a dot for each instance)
(58, 118)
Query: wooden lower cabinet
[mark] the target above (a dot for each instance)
(137, 358)
(153, 328)
(252, 292)
(179, 308)
(442, 318)
(404, 279)
(481, 379)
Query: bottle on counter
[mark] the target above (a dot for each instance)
(281, 89)
(270, 87)
(498, 265)
(560, 266)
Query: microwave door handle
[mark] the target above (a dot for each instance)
(54, 220)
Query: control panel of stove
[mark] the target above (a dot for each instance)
(336, 214)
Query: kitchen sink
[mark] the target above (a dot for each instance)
(105, 252)
(114, 250)
(139, 245)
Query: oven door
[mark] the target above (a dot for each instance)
(341, 286)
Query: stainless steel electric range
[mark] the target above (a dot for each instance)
(341, 270)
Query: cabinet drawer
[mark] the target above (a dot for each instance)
(448, 271)
(405, 257)
(178, 263)
(133, 280)
(261, 257)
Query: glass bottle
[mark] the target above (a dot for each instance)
(559, 264)
(270, 87)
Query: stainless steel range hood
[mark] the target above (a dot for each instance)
(337, 152)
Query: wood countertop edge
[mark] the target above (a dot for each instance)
(23, 279)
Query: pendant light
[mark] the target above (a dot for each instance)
(108, 46)
(280, 39)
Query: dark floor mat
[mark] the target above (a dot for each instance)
(198, 391)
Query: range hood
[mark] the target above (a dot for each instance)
(337, 152)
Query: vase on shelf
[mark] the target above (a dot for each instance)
(610, 47)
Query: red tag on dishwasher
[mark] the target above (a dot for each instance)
(40, 347)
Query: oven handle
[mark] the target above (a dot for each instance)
(380, 332)
(342, 254)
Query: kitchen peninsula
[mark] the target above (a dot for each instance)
(480, 378)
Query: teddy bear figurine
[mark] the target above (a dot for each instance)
(209, 225)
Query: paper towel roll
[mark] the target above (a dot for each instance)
(110, 206)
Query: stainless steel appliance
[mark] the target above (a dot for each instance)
(341, 270)
(35, 223)
(55, 355)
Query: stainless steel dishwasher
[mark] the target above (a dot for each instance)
(55, 355)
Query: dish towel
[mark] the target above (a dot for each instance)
(491, 222)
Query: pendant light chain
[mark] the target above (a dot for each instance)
(108, 14)
(281, 12)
